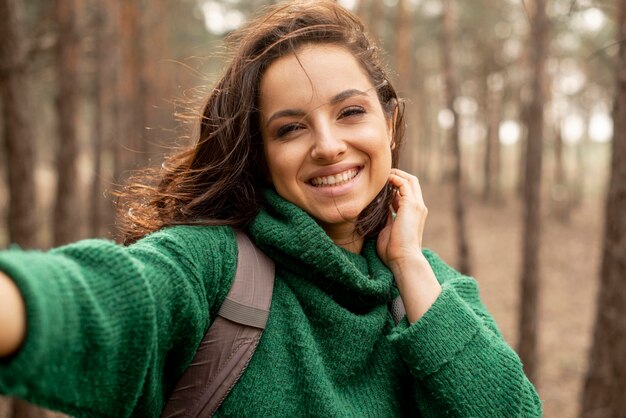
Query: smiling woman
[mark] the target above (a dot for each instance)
(297, 147)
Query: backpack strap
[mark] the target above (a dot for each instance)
(231, 340)
(396, 307)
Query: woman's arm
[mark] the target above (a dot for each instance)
(110, 328)
(400, 246)
(458, 359)
(12, 317)
(461, 364)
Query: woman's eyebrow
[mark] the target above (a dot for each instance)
(346, 94)
(284, 113)
(337, 98)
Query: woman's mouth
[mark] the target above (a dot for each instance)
(336, 179)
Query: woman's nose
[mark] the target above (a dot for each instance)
(327, 145)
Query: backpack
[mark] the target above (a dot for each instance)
(230, 342)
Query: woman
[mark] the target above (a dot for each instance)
(296, 146)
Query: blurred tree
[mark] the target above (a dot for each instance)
(101, 213)
(403, 52)
(130, 145)
(604, 393)
(560, 190)
(18, 143)
(447, 51)
(156, 34)
(361, 10)
(18, 133)
(403, 47)
(489, 73)
(493, 100)
(376, 20)
(560, 194)
(67, 209)
(525, 97)
(538, 47)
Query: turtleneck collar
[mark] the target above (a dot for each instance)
(300, 246)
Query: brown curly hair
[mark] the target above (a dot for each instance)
(218, 180)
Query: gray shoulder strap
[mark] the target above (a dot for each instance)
(231, 340)
(396, 307)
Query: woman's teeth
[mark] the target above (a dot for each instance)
(335, 180)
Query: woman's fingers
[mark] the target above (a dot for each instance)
(408, 189)
(403, 178)
(411, 212)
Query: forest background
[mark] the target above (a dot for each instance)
(513, 118)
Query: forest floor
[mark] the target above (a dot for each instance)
(570, 255)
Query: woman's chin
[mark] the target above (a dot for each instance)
(346, 220)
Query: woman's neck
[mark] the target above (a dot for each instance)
(345, 236)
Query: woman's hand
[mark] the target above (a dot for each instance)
(401, 239)
(399, 246)
(12, 316)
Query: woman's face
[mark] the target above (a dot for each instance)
(325, 135)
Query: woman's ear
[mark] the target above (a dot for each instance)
(391, 124)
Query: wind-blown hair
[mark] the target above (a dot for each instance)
(218, 181)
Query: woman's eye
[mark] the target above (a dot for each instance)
(287, 129)
(352, 111)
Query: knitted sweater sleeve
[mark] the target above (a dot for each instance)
(111, 328)
(460, 363)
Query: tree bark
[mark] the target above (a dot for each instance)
(130, 112)
(403, 46)
(527, 342)
(578, 183)
(361, 11)
(605, 384)
(102, 212)
(376, 18)
(447, 46)
(493, 115)
(18, 138)
(403, 53)
(67, 209)
(18, 142)
(560, 189)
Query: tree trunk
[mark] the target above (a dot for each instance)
(578, 184)
(129, 143)
(66, 210)
(420, 141)
(527, 343)
(403, 53)
(18, 138)
(18, 143)
(376, 18)
(493, 116)
(403, 46)
(361, 11)
(102, 212)
(560, 190)
(524, 117)
(447, 46)
(604, 393)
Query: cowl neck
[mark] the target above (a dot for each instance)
(299, 246)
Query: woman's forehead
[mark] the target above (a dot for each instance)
(314, 72)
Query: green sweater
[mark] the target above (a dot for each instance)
(111, 328)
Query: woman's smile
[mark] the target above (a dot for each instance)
(335, 179)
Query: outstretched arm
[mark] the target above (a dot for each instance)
(12, 316)
(107, 330)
